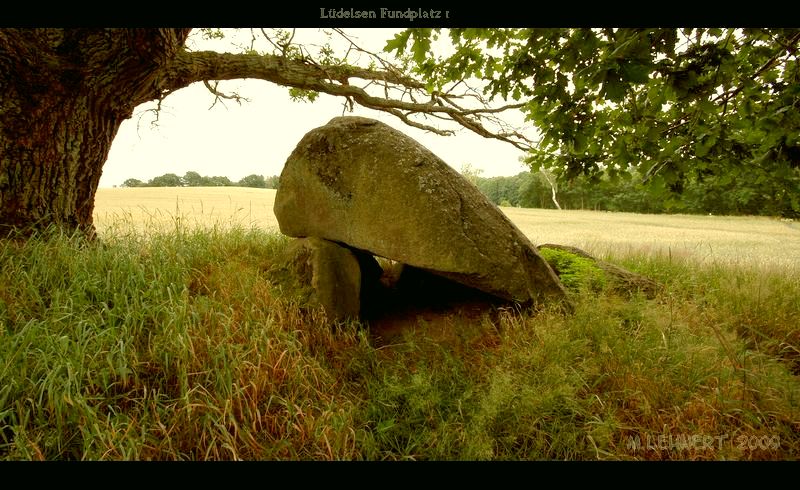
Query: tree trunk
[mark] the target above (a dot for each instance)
(553, 187)
(64, 95)
(51, 161)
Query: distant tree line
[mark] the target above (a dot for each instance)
(194, 179)
(726, 195)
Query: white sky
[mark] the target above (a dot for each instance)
(258, 136)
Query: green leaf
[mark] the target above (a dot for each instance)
(614, 89)
(398, 43)
(212, 33)
(707, 106)
(635, 72)
(579, 143)
(672, 146)
(302, 95)
(767, 124)
(703, 146)
(422, 44)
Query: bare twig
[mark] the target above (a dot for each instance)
(218, 96)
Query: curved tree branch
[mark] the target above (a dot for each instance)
(338, 80)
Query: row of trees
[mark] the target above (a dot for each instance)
(194, 179)
(733, 195)
(728, 196)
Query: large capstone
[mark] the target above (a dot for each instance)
(360, 182)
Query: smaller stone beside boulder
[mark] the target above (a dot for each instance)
(330, 274)
(618, 278)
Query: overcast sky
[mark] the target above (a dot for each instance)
(257, 136)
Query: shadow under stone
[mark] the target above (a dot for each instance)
(409, 299)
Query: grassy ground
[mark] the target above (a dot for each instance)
(174, 344)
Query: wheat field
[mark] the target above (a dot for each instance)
(750, 241)
(161, 207)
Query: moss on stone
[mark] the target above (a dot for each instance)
(576, 272)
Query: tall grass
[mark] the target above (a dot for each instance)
(176, 345)
(165, 347)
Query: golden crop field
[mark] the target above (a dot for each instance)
(744, 240)
(759, 241)
(160, 207)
